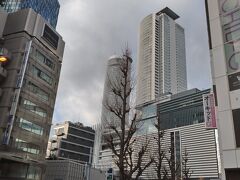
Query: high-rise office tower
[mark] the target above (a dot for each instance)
(161, 57)
(48, 9)
(114, 78)
(28, 84)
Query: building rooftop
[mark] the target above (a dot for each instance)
(169, 12)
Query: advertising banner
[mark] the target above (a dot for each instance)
(209, 111)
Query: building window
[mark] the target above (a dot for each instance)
(27, 147)
(38, 91)
(40, 74)
(44, 60)
(236, 121)
(177, 147)
(34, 108)
(29, 126)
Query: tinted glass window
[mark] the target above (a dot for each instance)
(40, 74)
(80, 133)
(34, 108)
(44, 60)
(38, 91)
(29, 126)
(236, 120)
(27, 147)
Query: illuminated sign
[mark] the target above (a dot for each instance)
(209, 111)
(230, 21)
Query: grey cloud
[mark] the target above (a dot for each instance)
(96, 29)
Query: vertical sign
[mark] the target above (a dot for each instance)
(11, 118)
(209, 111)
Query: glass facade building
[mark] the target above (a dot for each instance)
(183, 109)
(182, 121)
(48, 9)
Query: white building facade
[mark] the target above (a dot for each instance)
(223, 18)
(114, 78)
(161, 56)
(182, 120)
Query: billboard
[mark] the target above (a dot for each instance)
(209, 111)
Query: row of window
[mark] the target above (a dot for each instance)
(75, 148)
(27, 147)
(40, 74)
(43, 59)
(29, 126)
(75, 156)
(34, 108)
(38, 91)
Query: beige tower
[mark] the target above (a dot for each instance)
(161, 66)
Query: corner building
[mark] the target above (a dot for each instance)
(48, 9)
(28, 92)
(161, 66)
(223, 18)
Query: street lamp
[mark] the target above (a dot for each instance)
(4, 55)
(3, 59)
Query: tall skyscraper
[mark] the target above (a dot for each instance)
(114, 77)
(161, 64)
(28, 83)
(48, 9)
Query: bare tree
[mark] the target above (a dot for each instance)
(186, 170)
(174, 167)
(122, 129)
(160, 153)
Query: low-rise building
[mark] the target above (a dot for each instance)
(182, 120)
(72, 141)
(71, 170)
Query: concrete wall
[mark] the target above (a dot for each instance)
(223, 28)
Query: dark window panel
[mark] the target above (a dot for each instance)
(236, 121)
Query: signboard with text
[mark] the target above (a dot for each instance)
(209, 111)
(230, 21)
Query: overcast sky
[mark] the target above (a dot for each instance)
(96, 29)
